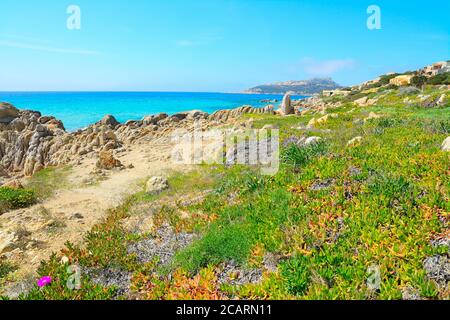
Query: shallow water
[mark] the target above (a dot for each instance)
(80, 109)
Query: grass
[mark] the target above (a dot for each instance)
(330, 215)
(11, 199)
(5, 269)
(45, 182)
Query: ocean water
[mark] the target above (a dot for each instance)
(80, 109)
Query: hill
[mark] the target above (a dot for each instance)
(302, 87)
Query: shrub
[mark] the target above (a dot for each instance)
(296, 275)
(11, 199)
(218, 245)
(384, 80)
(418, 81)
(298, 156)
(58, 289)
(443, 78)
(5, 268)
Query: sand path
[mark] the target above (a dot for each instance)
(70, 213)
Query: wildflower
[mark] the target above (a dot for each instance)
(44, 281)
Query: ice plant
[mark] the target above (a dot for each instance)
(44, 281)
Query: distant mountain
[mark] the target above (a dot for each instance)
(302, 87)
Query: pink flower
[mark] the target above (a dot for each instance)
(44, 281)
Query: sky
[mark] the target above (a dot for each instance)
(212, 45)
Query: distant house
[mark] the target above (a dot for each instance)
(402, 80)
(435, 69)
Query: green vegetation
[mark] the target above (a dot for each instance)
(46, 181)
(330, 214)
(5, 269)
(11, 199)
(443, 78)
(419, 81)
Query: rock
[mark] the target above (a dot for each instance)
(17, 125)
(13, 184)
(117, 278)
(77, 216)
(196, 114)
(286, 105)
(163, 247)
(64, 260)
(269, 127)
(179, 116)
(107, 161)
(109, 120)
(446, 144)
(7, 240)
(8, 112)
(408, 91)
(148, 120)
(232, 274)
(362, 101)
(410, 293)
(311, 123)
(355, 141)
(372, 115)
(321, 184)
(312, 140)
(441, 100)
(156, 185)
(437, 268)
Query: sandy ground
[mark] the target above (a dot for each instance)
(70, 213)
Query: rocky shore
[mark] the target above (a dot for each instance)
(30, 141)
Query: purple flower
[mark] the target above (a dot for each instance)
(44, 281)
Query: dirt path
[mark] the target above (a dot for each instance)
(38, 231)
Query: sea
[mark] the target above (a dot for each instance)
(81, 109)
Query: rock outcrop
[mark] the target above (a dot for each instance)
(8, 112)
(107, 161)
(30, 141)
(156, 185)
(225, 115)
(446, 144)
(286, 106)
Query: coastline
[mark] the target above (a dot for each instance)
(81, 109)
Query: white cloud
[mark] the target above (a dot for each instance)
(326, 67)
(39, 47)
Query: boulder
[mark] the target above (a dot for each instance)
(8, 112)
(355, 141)
(196, 114)
(446, 144)
(154, 119)
(109, 120)
(372, 115)
(107, 161)
(156, 185)
(312, 140)
(286, 105)
(179, 116)
(441, 100)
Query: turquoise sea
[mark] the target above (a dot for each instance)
(80, 109)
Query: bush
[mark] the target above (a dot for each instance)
(418, 81)
(298, 156)
(5, 268)
(11, 199)
(296, 274)
(220, 244)
(384, 80)
(443, 78)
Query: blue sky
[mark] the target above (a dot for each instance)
(212, 45)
